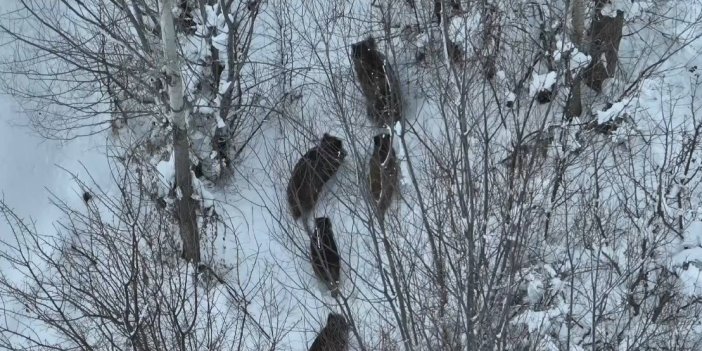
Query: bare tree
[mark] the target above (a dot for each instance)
(185, 204)
(515, 225)
(111, 277)
(509, 232)
(91, 66)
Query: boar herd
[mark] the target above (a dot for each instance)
(384, 106)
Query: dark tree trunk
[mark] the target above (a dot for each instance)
(185, 204)
(606, 35)
(574, 106)
(439, 6)
(492, 31)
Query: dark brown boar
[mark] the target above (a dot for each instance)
(383, 172)
(378, 83)
(334, 336)
(312, 172)
(325, 255)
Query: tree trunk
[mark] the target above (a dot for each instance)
(185, 205)
(574, 106)
(606, 35)
(492, 30)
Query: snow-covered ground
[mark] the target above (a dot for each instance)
(32, 164)
(33, 167)
(255, 202)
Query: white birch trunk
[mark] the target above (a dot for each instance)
(185, 205)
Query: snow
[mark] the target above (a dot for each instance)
(686, 259)
(33, 172)
(220, 122)
(510, 96)
(204, 109)
(535, 290)
(35, 167)
(693, 234)
(578, 60)
(691, 280)
(537, 321)
(610, 8)
(637, 8)
(402, 157)
(612, 112)
(213, 20)
(541, 82)
(220, 41)
(463, 28)
(255, 208)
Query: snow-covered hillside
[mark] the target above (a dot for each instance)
(533, 212)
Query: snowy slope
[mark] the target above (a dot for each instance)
(582, 268)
